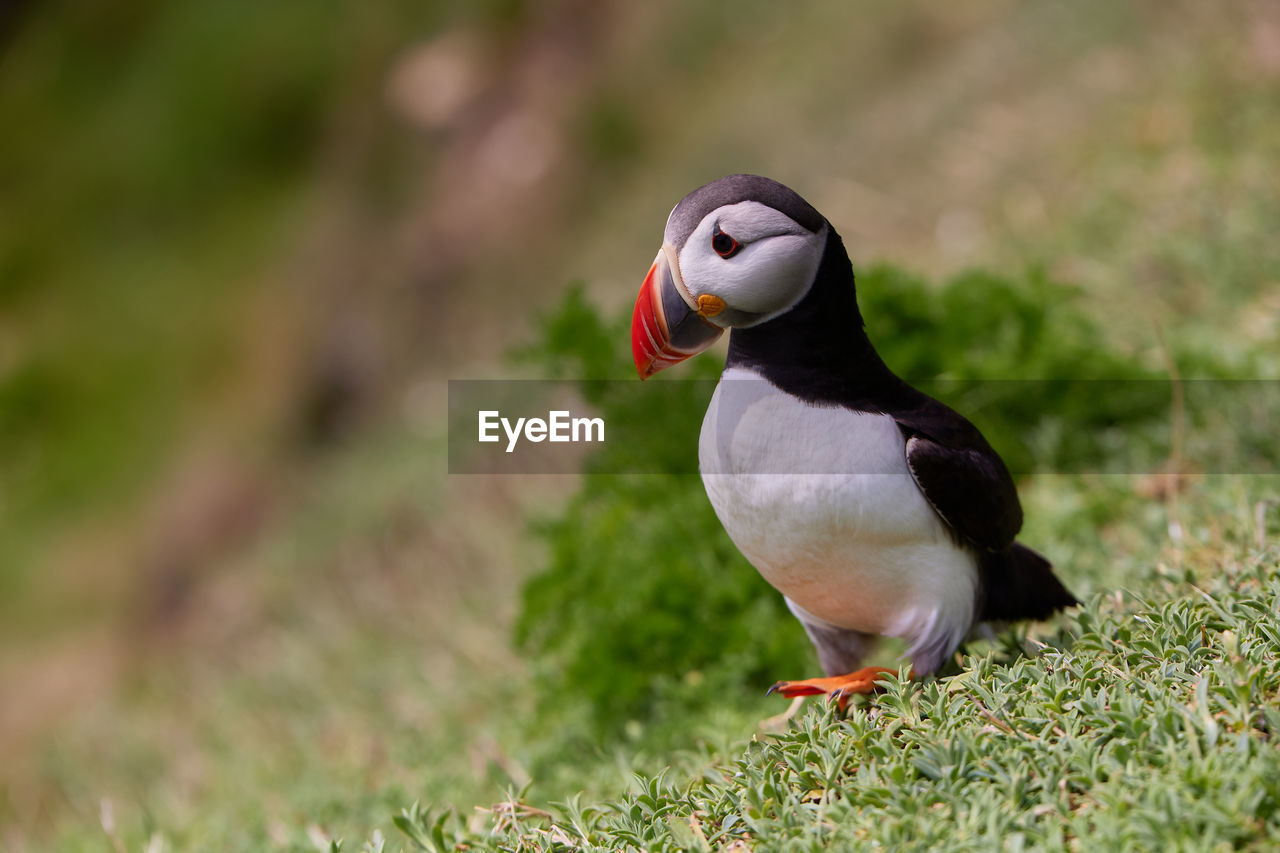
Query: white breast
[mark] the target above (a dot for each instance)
(821, 502)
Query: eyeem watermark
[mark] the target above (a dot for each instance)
(559, 426)
(527, 426)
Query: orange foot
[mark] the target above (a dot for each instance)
(838, 688)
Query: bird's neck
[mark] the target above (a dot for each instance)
(818, 350)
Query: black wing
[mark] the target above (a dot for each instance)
(970, 488)
(961, 476)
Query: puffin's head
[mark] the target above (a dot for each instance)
(736, 252)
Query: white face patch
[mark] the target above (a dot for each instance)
(770, 272)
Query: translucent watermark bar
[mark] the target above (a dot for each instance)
(1065, 426)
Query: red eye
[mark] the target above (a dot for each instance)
(723, 244)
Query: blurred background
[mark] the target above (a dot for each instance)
(243, 246)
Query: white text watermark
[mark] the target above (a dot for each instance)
(558, 426)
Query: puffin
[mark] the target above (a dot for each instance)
(874, 509)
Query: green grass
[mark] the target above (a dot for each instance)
(1144, 723)
(309, 725)
(296, 713)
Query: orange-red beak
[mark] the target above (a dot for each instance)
(665, 329)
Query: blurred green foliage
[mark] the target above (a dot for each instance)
(155, 167)
(1019, 358)
(148, 152)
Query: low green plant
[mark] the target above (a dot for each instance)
(1144, 724)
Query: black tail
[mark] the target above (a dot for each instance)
(1020, 584)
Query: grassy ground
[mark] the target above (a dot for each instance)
(352, 655)
(1145, 722)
